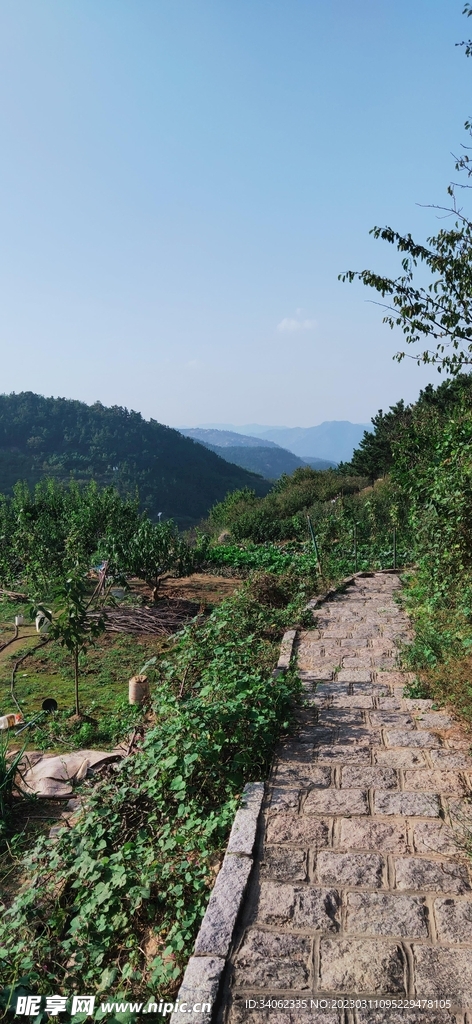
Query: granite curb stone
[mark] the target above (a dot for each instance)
(200, 985)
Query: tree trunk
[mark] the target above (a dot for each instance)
(76, 679)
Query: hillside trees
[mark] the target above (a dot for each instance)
(52, 532)
(353, 524)
(374, 457)
(64, 439)
(53, 536)
(433, 468)
(281, 515)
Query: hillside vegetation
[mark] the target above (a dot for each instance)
(271, 463)
(427, 449)
(411, 474)
(65, 439)
(352, 521)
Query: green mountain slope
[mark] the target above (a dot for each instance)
(271, 463)
(63, 438)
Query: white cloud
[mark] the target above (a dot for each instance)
(288, 324)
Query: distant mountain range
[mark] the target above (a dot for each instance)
(251, 453)
(225, 438)
(332, 441)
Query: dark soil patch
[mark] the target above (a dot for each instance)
(29, 818)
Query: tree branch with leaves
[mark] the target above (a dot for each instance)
(72, 626)
(438, 314)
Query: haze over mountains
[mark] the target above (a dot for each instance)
(332, 440)
(252, 453)
(226, 438)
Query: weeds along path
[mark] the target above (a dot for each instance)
(362, 888)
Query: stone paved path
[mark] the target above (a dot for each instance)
(362, 888)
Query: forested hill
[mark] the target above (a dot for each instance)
(63, 438)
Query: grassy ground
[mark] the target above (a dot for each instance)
(449, 683)
(441, 651)
(104, 672)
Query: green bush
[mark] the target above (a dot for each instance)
(281, 515)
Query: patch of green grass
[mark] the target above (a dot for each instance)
(8, 610)
(417, 690)
(105, 672)
(60, 731)
(440, 653)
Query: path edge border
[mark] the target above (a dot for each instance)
(201, 980)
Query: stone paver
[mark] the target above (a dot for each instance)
(362, 889)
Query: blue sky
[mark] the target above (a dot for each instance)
(181, 182)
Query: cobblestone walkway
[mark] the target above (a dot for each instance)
(362, 887)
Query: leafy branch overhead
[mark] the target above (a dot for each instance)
(440, 311)
(437, 314)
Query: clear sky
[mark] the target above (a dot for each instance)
(181, 181)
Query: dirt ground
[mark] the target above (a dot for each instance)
(199, 587)
(202, 588)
